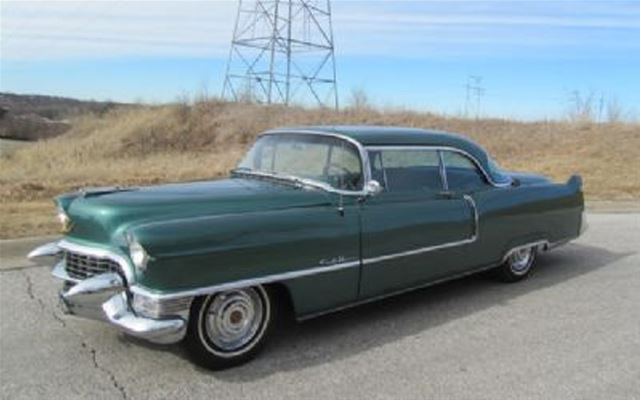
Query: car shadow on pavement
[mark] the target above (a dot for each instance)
(344, 334)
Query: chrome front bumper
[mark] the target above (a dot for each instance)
(106, 297)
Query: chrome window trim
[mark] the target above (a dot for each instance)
(364, 159)
(443, 178)
(443, 171)
(125, 265)
(443, 148)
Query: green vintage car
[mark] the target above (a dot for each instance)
(316, 219)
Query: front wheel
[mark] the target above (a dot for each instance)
(517, 265)
(229, 328)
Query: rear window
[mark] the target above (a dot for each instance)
(463, 175)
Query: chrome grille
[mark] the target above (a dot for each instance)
(82, 266)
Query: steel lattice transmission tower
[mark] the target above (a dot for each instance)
(282, 52)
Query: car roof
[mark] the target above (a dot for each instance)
(368, 135)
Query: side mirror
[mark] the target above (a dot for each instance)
(373, 188)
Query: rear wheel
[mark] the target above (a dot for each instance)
(229, 328)
(517, 265)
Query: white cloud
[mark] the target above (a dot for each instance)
(112, 29)
(58, 30)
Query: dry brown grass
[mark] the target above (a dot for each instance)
(180, 142)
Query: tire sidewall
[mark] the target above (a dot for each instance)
(507, 274)
(205, 353)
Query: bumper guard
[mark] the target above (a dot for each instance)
(105, 297)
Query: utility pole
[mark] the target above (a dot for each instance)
(282, 52)
(475, 90)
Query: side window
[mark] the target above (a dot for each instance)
(462, 174)
(343, 168)
(408, 170)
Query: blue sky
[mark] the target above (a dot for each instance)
(414, 54)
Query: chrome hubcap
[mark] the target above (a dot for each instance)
(234, 318)
(520, 260)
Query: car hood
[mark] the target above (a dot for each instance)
(102, 214)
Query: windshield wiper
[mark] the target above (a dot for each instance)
(296, 181)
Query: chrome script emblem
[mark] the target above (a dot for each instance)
(334, 260)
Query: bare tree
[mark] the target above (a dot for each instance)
(582, 107)
(202, 94)
(614, 110)
(246, 94)
(359, 99)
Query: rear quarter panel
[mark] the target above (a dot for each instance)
(514, 216)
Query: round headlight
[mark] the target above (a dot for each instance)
(138, 255)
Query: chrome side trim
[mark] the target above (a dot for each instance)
(445, 148)
(364, 157)
(420, 286)
(126, 266)
(395, 293)
(476, 215)
(471, 239)
(143, 291)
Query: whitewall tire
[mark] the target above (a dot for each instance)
(229, 328)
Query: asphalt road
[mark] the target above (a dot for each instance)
(571, 331)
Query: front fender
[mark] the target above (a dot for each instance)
(206, 251)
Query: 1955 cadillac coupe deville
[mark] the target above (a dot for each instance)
(318, 218)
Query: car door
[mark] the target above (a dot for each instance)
(411, 228)
(465, 178)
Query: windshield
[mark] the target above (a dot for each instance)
(325, 159)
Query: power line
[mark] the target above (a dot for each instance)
(474, 92)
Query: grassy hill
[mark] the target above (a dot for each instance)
(33, 117)
(149, 145)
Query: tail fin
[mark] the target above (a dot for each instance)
(575, 181)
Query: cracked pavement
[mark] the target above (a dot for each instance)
(571, 331)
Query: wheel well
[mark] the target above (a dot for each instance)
(283, 300)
